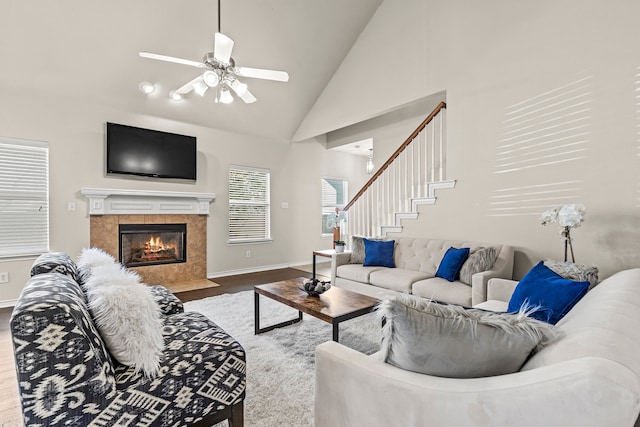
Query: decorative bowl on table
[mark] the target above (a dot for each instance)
(315, 287)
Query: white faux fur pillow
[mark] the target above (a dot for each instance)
(127, 317)
(90, 258)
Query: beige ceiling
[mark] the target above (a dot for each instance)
(87, 51)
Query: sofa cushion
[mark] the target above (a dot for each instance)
(552, 295)
(451, 341)
(378, 253)
(127, 316)
(397, 279)
(441, 289)
(203, 369)
(451, 263)
(481, 259)
(356, 272)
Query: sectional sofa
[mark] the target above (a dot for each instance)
(589, 376)
(416, 262)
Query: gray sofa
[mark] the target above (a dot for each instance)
(588, 377)
(417, 261)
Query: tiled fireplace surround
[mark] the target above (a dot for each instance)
(104, 235)
(109, 208)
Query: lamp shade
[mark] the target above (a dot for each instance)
(225, 96)
(370, 165)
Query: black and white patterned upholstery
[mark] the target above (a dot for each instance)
(66, 376)
(56, 262)
(168, 302)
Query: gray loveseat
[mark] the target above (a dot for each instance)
(67, 377)
(416, 261)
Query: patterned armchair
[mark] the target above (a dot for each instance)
(67, 377)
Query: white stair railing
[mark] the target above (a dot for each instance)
(409, 178)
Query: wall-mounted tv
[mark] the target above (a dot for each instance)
(146, 152)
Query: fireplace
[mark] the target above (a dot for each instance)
(152, 244)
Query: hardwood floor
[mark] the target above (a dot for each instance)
(10, 410)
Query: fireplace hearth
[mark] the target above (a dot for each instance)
(152, 244)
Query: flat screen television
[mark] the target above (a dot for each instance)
(146, 152)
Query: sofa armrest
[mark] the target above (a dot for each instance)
(168, 302)
(502, 268)
(338, 259)
(353, 389)
(501, 289)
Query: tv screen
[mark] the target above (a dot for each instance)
(146, 152)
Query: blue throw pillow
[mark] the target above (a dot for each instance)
(378, 253)
(451, 263)
(554, 294)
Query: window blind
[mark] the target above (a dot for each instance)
(24, 197)
(249, 209)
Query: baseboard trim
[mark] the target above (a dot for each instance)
(263, 268)
(8, 303)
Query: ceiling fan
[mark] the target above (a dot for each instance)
(220, 72)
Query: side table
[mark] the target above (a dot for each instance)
(327, 253)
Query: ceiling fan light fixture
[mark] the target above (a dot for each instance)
(175, 96)
(225, 96)
(147, 88)
(210, 78)
(199, 86)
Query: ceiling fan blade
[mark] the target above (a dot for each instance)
(260, 73)
(222, 48)
(172, 59)
(241, 90)
(187, 87)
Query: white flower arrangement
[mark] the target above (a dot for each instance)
(568, 217)
(335, 219)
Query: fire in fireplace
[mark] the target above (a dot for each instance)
(151, 244)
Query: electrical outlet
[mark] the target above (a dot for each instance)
(247, 254)
(4, 277)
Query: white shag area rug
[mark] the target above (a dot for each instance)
(280, 363)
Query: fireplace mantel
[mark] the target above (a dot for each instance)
(104, 201)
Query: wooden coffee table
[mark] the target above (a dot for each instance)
(334, 306)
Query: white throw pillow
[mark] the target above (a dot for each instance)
(126, 316)
(92, 257)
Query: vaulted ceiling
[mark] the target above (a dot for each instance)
(87, 51)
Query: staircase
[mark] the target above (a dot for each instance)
(411, 177)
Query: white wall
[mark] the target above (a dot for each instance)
(494, 59)
(75, 133)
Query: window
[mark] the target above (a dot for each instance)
(334, 195)
(249, 209)
(24, 197)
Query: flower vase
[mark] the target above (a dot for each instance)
(336, 235)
